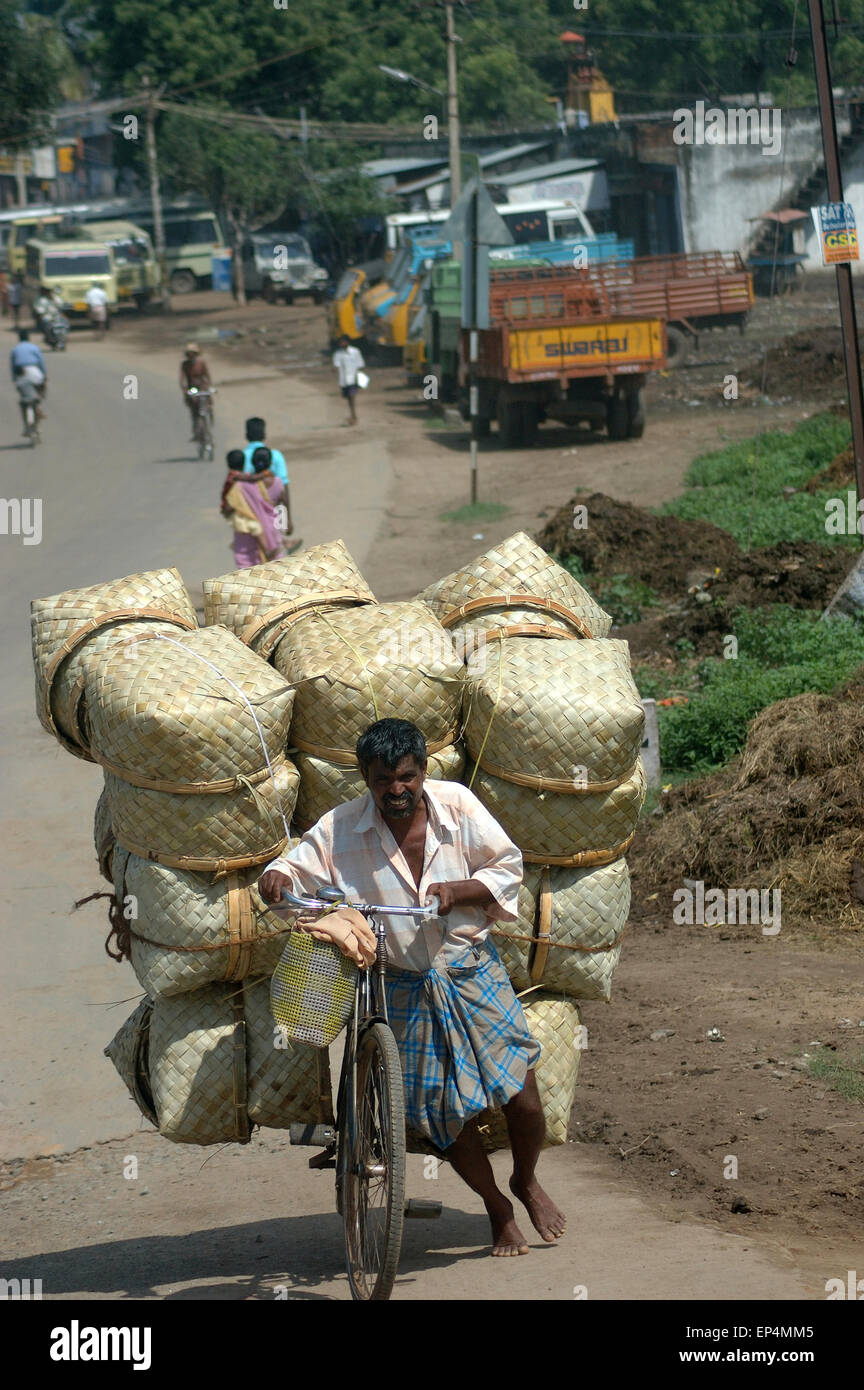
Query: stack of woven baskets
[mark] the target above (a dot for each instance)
(212, 739)
(552, 723)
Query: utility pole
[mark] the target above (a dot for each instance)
(153, 171)
(453, 108)
(843, 270)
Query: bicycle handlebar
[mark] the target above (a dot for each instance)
(319, 904)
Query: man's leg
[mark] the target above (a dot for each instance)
(468, 1159)
(526, 1128)
(352, 407)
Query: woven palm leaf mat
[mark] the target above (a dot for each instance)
(578, 830)
(517, 566)
(66, 626)
(254, 602)
(555, 711)
(214, 832)
(583, 913)
(103, 836)
(325, 785)
(354, 666)
(554, 1022)
(211, 1066)
(187, 930)
(186, 712)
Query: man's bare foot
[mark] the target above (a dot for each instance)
(507, 1239)
(545, 1216)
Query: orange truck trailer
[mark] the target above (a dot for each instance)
(554, 350)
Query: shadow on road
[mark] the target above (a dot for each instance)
(290, 1257)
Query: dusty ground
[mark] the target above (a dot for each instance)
(677, 1106)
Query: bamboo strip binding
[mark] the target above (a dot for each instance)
(490, 601)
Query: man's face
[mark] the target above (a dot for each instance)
(397, 790)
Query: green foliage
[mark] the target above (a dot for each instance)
(782, 652)
(243, 174)
(620, 594)
(34, 63)
(476, 511)
(847, 1078)
(720, 486)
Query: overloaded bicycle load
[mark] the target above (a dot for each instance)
(206, 1067)
(353, 666)
(182, 930)
(554, 729)
(513, 588)
(258, 603)
(89, 622)
(191, 732)
(568, 936)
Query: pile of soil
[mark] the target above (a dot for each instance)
(787, 813)
(805, 364)
(839, 473)
(698, 571)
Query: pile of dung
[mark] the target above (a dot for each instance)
(839, 473)
(806, 365)
(788, 813)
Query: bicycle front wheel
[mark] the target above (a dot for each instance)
(373, 1195)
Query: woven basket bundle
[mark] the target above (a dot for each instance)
(555, 712)
(103, 835)
(207, 1066)
(583, 913)
(485, 594)
(209, 833)
(574, 831)
(187, 712)
(353, 667)
(189, 930)
(67, 627)
(256, 603)
(325, 785)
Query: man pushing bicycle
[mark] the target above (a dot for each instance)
(460, 1030)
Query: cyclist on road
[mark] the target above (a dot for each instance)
(26, 363)
(462, 1036)
(194, 373)
(28, 395)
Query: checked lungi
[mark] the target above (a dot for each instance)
(463, 1041)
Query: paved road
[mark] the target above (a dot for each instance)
(120, 492)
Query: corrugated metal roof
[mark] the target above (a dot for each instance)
(549, 171)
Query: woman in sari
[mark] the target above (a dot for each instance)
(250, 501)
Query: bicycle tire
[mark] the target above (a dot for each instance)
(374, 1203)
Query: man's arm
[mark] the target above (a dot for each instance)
(468, 892)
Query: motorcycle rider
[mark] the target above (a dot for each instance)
(194, 374)
(47, 311)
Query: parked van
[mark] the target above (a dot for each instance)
(139, 277)
(21, 231)
(192, 239)
(70, 267)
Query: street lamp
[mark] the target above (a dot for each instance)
(399, 75)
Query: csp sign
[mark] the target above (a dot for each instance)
(838, 235)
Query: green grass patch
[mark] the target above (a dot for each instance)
(743, 483)
(476, 511)
(847, 1078)
(621, 595)
(782, 652)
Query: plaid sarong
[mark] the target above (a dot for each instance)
(463, 1041)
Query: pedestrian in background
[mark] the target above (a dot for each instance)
(15, 294)
(4, 293)
(348, 361)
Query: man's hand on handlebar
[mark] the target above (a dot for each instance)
(467, 892)
(272, 885)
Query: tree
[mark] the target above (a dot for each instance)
(34, 62)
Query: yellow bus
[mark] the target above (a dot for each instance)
(24, 229)
(139, 278)
(71, 267)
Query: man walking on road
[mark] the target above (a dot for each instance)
(348, 361)
(15, 296)
(462, 1036)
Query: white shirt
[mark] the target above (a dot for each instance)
(96, 297)
(352, 848)
(348, 362)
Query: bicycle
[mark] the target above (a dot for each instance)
(369, 1135)
(31, 423)
(203, 419)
